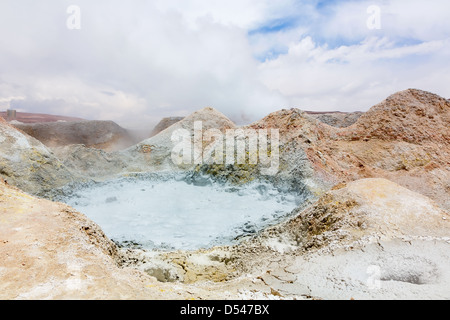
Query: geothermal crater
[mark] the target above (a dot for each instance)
(371, 217)
(168, 212)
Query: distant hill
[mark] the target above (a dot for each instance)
(106, 135)
(39, 118)
(164, 124)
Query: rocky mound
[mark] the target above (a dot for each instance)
(28, 164)
(106, 135)
(412, 115)
(299, 135)
(369, 210)
(210, 118)
(164, 124)
(89, 163)
(156, 152)
(405, 139)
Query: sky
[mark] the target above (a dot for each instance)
(137, 61)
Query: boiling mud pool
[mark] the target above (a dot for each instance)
(174, 214)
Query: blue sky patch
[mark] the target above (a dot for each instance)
(275, 26)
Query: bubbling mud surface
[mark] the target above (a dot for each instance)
(173, 213)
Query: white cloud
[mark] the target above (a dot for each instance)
(137, 62)
(155, 61)
(245, 14)
(400, 19)
(355, 77)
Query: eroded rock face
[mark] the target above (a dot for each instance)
(28, 164)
